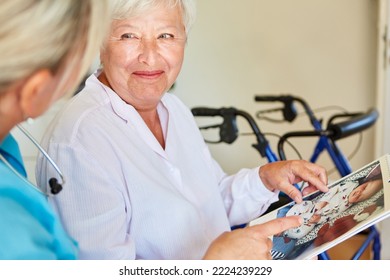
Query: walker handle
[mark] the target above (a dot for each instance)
(353, 125)
(207, 112)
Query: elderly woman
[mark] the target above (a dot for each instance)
(39, 62)
(143, 183)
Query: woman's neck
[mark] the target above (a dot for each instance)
(10, 114)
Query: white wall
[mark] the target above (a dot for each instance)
(322, 50)
(382, 133)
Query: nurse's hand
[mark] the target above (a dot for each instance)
(282, 175)
(250, 243)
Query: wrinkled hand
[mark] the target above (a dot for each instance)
(250, 243)
(282, 175)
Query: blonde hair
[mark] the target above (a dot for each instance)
(61, 35)
(123, 9)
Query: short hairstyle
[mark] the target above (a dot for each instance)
(61, 35)
(123, 9)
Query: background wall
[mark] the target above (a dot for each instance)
(323, 51)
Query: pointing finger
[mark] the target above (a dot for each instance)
(314, 175)
(277, 226)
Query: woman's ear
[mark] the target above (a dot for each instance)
(35, 93)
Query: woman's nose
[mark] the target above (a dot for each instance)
(148, 52)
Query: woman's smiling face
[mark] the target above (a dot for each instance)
(143, 56)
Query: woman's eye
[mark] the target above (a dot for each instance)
(128, 36)
(166, 36)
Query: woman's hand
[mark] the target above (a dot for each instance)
(282, 175)
(250, 243)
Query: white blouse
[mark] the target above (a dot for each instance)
(126, 197)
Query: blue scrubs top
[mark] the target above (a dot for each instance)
(29, 228)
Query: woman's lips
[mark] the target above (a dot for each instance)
(148, 74)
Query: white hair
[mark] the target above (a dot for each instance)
(60, 35)
(123, 9)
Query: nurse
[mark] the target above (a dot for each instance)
(39, 63)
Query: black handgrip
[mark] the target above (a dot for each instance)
(204, 111)
(289, 110)
(353, 125)
(273, 98)
(228, 128)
